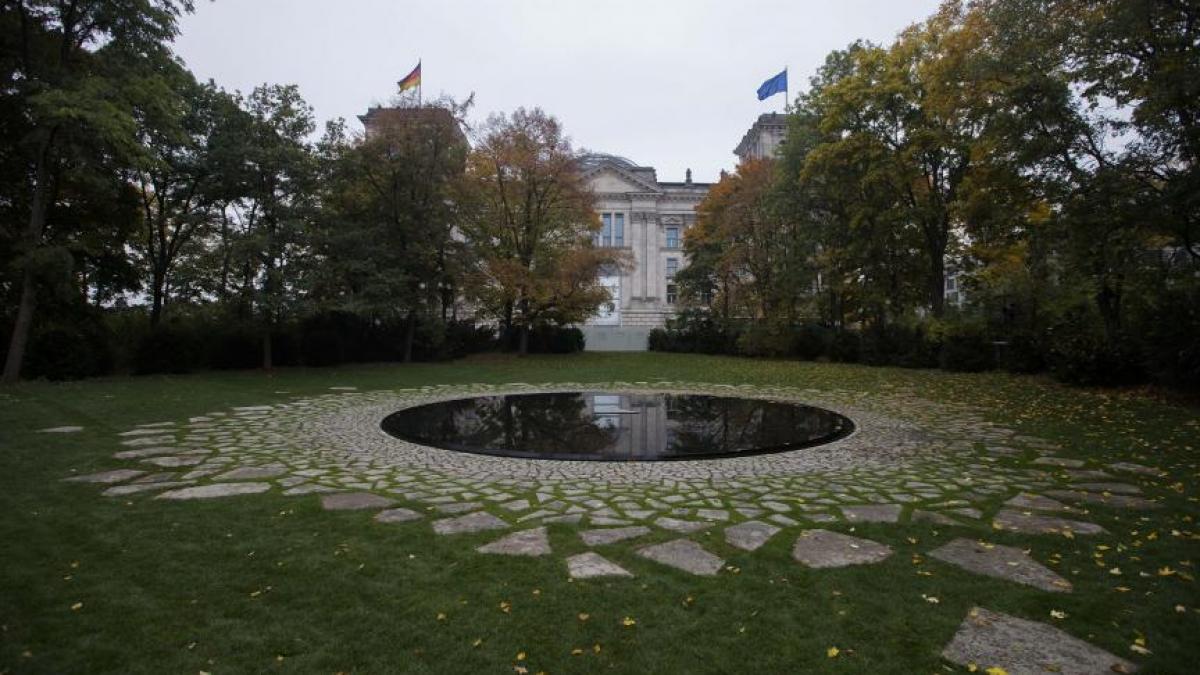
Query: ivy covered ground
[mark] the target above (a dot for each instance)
(1073, 509)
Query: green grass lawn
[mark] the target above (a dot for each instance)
(91, 584)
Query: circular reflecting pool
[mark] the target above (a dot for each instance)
(617, 427)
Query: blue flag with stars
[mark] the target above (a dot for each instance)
(773, 86)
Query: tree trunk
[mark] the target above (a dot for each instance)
(20, 334)
(1108, 301)
(937, 283)
(33, 232)
(268, 362)
(410, 332)
(524, 349)
(156, 298)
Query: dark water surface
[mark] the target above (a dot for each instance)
(617, 427)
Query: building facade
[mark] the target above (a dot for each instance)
(764, 137)
(646, 218)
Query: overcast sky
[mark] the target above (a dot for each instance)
(668, 84)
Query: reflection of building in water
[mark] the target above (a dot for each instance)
(638, 423)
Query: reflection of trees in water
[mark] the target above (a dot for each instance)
(701, 425)
(530, 423)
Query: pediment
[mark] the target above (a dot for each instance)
(611, 179)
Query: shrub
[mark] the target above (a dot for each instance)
(966, 348)
(69, 351)
(765, 340)
(1169, 333)
(812, 341)
(168, 348)
(845, 346)
(1079, 354)
(1022, 353)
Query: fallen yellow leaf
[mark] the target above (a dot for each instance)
(832, 652)
(628, 621)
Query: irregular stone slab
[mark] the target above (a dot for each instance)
(160, 477)
(349, 501)
(147, 440)
(1086, 474)
(676, 525)
(611, 535)
(684, 554)
(61, 430)
(823, 548)
(216, 490)
(145, 431)
(1059, 461)
(1027, 500)
(527, 542)
(1142, 469)
(712, 514)
(134, 488)
(750, 535)
(174, 462)
(1114, 488)
(114, 476)
(146, 452)
(1118, 501)
(591, 564)
(1038, 524)
(920, 516)
(872, 513)
(252, 473)
(1022, 647)
(458, 507)
(396, 516)
(308, 489)
(1002, 562)
(479, 521)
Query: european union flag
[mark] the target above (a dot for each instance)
(773, 86)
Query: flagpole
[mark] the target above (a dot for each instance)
(787, 96)
(420, 80)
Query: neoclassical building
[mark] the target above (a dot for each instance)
(647, 218)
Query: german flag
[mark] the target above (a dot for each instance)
(411, 80)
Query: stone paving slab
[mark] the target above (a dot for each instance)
(175, 462)
(824, 548)
(1022, 647)
(591, 564)
(1117, 501)
(215, 490)
(137, 488)
(750, 535)
(1038, 524)
(1114, 488)
(1026, 500)
(1130, 467)
(350, 501)
(684, 554)
(1062, 462)
(252, 473)
(1002, 562)
(677, 525)
(611, 535)
(872, 513)
(533, 542)
(108, 477)
(480, 521)
(397, 516)
(61, 430)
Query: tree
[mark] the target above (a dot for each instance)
(73, 72)
(529, 226)
(386, 246)
(175, 179)
(267, 189)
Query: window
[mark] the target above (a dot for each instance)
(672, 294)
(672, 237)
(612, 230)
(672, 267)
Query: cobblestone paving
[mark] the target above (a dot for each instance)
(909, 460)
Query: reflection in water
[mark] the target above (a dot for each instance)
(616, 427)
